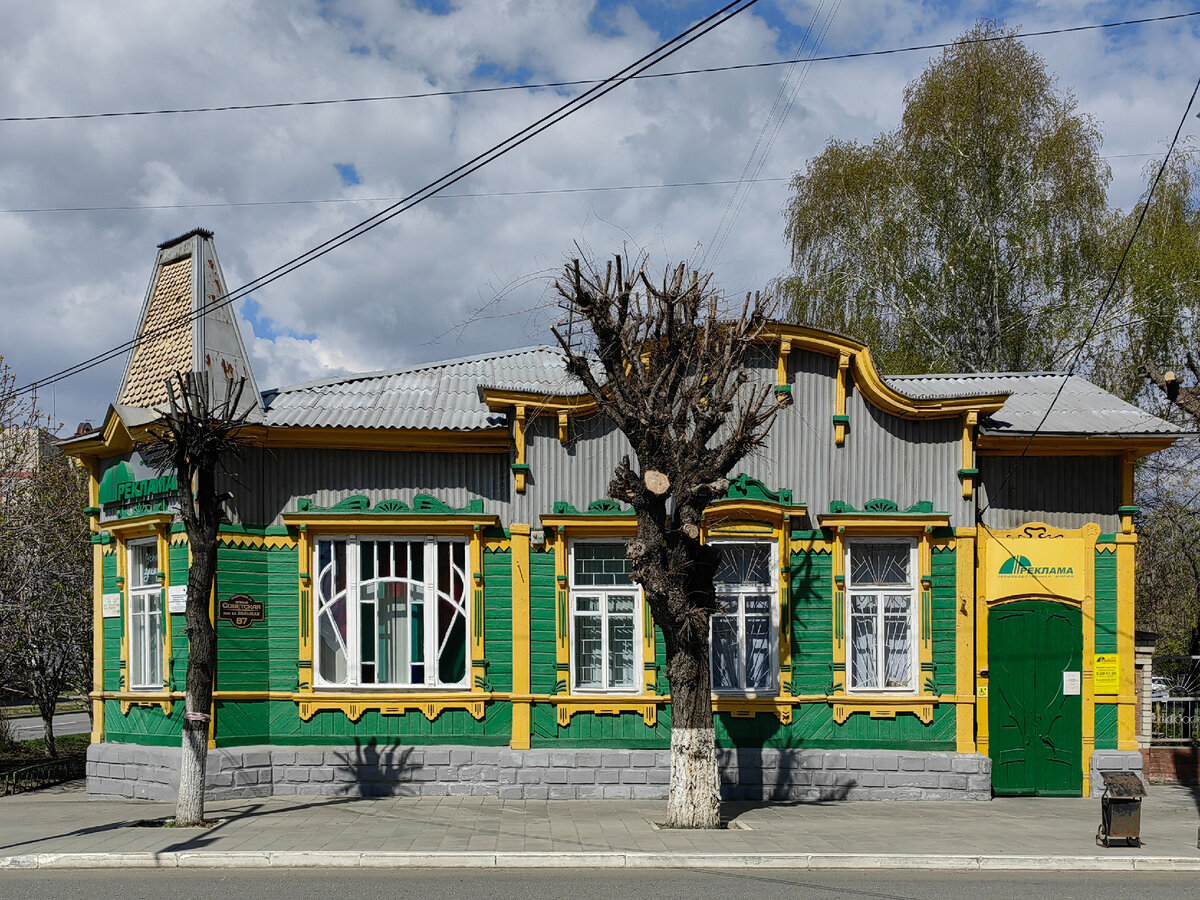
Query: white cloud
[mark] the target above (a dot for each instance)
(74, 282)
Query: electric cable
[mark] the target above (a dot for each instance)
(572, 106)
(581, 82)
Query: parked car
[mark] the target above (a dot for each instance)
(1160, 688)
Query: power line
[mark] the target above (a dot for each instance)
(1103, 301)
(534, 192)
(584, 82)
(473, 194)
(567, 109)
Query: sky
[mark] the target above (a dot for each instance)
(471, 271)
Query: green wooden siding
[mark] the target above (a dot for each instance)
(1106, 726)
(453, 726)
(283, 618)
(177, 561)
(241, 652)
(626, 729)
(812, 623)
(1106, 602)
(944, 589)
(813, 728)
(497, 618)
(143, 724)
(114, 628)
(543, 632)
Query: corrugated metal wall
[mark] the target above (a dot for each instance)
(1063, 491)
(884, 456)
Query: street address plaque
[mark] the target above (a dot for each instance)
(241, 610)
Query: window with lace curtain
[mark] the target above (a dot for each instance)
(881, 584)
(744, 647)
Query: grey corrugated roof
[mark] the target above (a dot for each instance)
(1081, 408)
(442, 395)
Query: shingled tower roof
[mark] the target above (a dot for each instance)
(172, 334)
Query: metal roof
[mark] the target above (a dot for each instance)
(1081, 407)
(440, 395)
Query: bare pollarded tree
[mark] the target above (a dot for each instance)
(672, 376)
(198, 437)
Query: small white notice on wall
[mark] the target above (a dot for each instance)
(1070, 684)
(177, 598)
(110, 606)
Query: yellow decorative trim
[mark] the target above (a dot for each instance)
(585, 525)
(841, 388)
(564, 434)
(138, 526)
(964, 631)
(884, 525)
(496, 545)
(606, 705)
(749, 707)
(748, 516)
(883, 707)
(519, 440)
(1052, 445)
(399, 525)
(1127, 467)
(970, 421)
(306, 626)
(781, 367)
(783, 542)
(258, 541)
(1127, 711)
(522, 718)
(430, 705)
(410, 439)
(97, 640)
(536, 403)
(562, 610)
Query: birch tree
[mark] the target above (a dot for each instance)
(672, 377)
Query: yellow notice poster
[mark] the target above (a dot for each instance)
(1106, 674)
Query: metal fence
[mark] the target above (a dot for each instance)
(44, 774)
(1175, 700)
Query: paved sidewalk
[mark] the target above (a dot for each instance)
(61, 827)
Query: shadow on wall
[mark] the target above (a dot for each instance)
(374, 771)
(780, 775)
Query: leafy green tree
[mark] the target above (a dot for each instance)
(971, 238)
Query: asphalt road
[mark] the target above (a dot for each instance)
(30, 727)
(675, 884)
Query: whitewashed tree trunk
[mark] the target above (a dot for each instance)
(694, 800)
(193, 763)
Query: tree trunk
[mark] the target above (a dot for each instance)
(48, 733)
(694, 800)
(202, 651)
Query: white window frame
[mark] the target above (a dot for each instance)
(140, 655)
(430, 600)
(912, 589)
(741, 591)
(574, 592)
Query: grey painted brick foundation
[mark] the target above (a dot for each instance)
(1113, 761)
(152, 773)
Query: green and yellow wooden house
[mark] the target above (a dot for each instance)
(927, 587)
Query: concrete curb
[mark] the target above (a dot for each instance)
(611, 860)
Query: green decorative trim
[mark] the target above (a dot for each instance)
(560, 687)
(1107, 537)
(882, 506)
(102, 538)
(743, 487)
(91, 510)
(967, 473)
(1128, 510)
(841, 420)
(839, 579)
(482, 683)
(521, 468)
(422, 504)
(142, 509)
(783, 390)
(601, 507)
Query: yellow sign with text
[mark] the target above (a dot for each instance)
(1106, 674)
(1029, 566)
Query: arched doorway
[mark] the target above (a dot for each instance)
(1035, 713)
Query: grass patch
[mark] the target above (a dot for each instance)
(17, 711)
(27, 753)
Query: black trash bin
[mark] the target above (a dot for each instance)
(1121, 808)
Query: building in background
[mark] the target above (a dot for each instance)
(927, 587)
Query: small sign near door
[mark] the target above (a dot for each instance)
(1071, 684)
(1106, 678)
(241, 610)
(177, 598)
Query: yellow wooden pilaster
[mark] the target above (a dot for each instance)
(478, 660)
(1127, 709)
(97, 641)
(838, 565)
(964, 631)
(521, 638)
(968, 472)
(520, 467)
(1127, 508)
(304, 661)
(981, 648)
(212, 705)
(163, 535)
(842, 387)
(1090, 533)
(123, 587)
(785, 607)
(564, 433)
(562, 610)
(925, 646)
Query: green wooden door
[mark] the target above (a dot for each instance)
(1035, 730)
